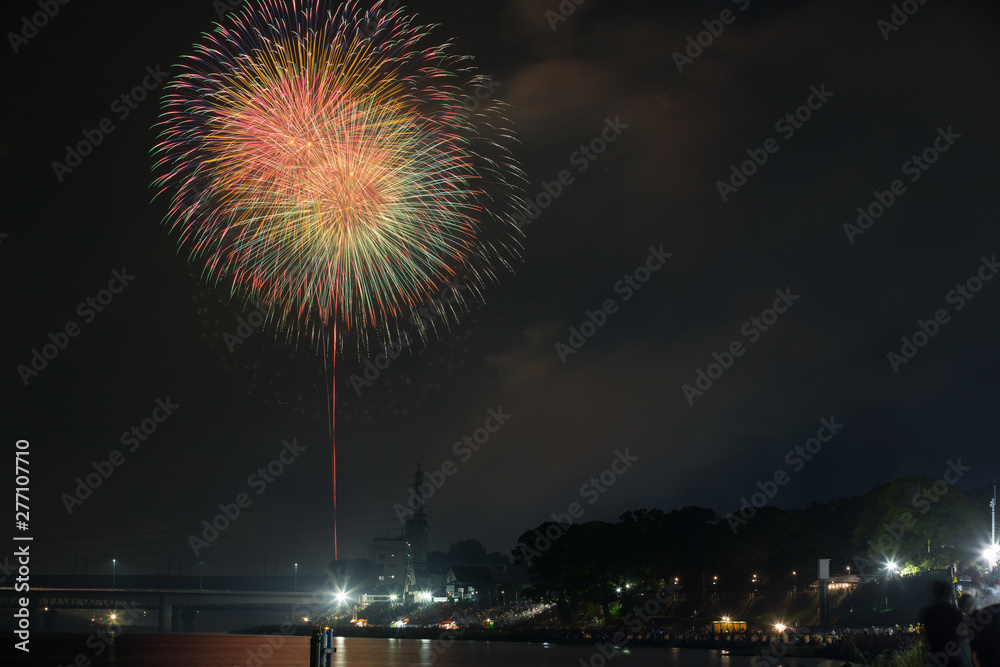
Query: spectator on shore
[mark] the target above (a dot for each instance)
(943, 625)
(986, 642)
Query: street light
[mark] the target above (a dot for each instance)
(990, 554)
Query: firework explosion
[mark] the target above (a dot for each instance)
(320, 160)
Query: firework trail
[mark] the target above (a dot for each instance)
(318, 159)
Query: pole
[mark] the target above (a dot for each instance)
(993, 516)
(993, 528)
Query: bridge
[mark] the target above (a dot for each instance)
(176, 599)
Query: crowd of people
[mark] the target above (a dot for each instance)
(962, 633)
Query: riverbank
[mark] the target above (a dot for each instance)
(859, 649)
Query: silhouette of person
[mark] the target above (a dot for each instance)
(986, 641)
(943, 627)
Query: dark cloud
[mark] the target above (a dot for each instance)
(655, 184)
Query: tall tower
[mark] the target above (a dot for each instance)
(415, 531)
(995, 550)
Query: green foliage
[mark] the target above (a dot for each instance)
(909, 657)
(580, 567)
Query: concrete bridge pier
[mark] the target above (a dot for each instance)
(187, 620)
(166, 614)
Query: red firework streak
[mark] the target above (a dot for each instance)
(333, 429)
(319, 156)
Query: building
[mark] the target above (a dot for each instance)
(390, 563)
(415, 530)
(470, 582)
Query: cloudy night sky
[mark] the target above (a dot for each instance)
(840, 106)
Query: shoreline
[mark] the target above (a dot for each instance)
(834, 650)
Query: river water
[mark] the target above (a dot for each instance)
(217, 650)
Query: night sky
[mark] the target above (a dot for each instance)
(839, 112)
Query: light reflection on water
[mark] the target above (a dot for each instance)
(214, 650)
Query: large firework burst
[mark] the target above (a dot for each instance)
(322, 160)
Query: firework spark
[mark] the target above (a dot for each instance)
(319, 160)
